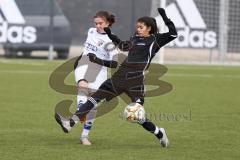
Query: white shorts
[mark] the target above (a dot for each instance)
(95, 74)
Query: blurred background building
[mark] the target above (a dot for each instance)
(208, 29)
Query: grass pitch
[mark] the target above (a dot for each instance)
(201, 116)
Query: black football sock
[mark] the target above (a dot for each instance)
(149, 126)
(159, 135)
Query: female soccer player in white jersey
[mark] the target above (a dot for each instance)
(91, 66)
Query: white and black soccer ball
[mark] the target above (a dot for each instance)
(134, 113)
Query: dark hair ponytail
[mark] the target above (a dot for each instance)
(149, 22)
(110, 18)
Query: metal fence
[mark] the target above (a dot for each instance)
(208, 29)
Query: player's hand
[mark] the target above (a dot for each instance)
(113, 37)
(161, 11)
(92, 57)
(107, 30)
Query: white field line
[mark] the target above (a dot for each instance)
(201, 75)
(21, 62)
(23, 72)
(167, 74)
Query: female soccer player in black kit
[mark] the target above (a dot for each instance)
(129, 78)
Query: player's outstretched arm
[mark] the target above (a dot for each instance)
(168, 22)
(113, 37)
(122, 45)
(111, 64)
(162, 12)
(165, 38)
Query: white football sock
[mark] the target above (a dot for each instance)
(85, 133)
(89, 122)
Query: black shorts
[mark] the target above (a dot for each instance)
(113, 87)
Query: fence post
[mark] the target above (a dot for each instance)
(223, 30)
(154, 13)
(51, 24)
(163, 28)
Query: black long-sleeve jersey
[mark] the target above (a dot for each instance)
(141, 50)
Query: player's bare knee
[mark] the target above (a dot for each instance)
(83, 87)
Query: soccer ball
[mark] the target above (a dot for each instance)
(134, 113)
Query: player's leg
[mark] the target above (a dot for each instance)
(96, 77)
(81, 72)
(137, 96)
(84, 139)
(82, 111)
(160, 133)
(82, 84)
(83, 94)
(105, 91)
(83, 91)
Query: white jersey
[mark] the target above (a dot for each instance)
(97, 44)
